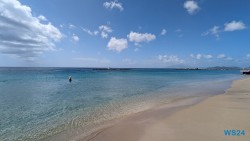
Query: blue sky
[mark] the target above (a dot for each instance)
(124, 33)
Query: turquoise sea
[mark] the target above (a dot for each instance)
(41, 104)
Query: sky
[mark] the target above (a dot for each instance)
(124, 33)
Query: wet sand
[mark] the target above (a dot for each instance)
(189, 119)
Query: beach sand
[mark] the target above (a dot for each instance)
(185, 121)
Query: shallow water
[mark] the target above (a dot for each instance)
(40, 103)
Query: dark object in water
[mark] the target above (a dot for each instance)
(246, 72)
(70, 79)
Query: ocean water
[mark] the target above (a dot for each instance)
(40, 103)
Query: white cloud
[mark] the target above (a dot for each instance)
(95, 32)
(42, 18)
(104, 29)
(92, 33)
(170, 59)
(248, 56)
(163, 32)
(71, 26)
(200, 56)
(233, 26)
(140, 37)
(117, 44)
(113, 4)
(207, 56)
(213, 31)
(75, 38)
(22, 34)
(224, 57)
(191, 6)
(220, 56)
(104, 35)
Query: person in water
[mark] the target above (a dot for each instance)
(70, 79)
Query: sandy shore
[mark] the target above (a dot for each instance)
(185, 121)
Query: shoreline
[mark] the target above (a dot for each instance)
(150, 123)
(182, 100)
(169, 107)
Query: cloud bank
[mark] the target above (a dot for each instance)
(170, 59)
(200, 56)
(23, 34)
